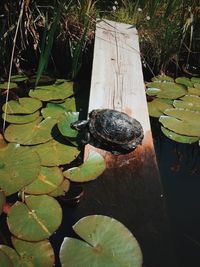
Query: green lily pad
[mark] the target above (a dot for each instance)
(19, 166)
(69, 104)
(190, 102)
(2, 201)
(12, 255)
(21, 119)
(33, 133)
(61, 189)
(60, 154)
(4, 86)
(163, 78)
(106, 242)
(36, 219)
(24, 105)
(195, 80)
(93, 167)
(168, 90)
(5, 260)
(48, 180)
(194, 91)
(64, 124)
(182, 121)
(158, 105)
(39, 254)
(53, 92)
(179, 137)
(53, 110)
(19, 78)
(184, 80)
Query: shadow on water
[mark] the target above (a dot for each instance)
(179, 166)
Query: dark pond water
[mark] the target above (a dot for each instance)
(179, 166)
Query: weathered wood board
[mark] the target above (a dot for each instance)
(129, 189)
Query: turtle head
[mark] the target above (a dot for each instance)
(79, 125)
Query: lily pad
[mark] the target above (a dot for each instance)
(53, 110)
(184, 80)
(4, 86)
(36, 219)
(69, 104)
(5, 260)
(24, 105)
(61, 189)
(190, 102)
(64, 124)
(39, 254)
(197, 85)
(53, 92)
(179, 137)
(48, 180)
(194, 91)
(60, 154)
(163, 78)
(19, 78)
(168, 90)
(33, 133)
(21, 119)
(106, 242)
(158, 105)
(182, 121)
(2, 201)
(195, 80)
(19, 166)
(12, 255)
(93, 167)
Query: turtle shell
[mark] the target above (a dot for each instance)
(114, 127)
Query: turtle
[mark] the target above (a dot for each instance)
(111, 130)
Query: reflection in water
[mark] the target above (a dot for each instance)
(179, 166)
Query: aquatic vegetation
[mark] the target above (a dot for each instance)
(179, 119)
(100, 245)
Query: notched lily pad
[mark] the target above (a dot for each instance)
(163, 78)
(53, 110)
(93, 167)
(36, 219)
(48, 180)
(39, 254)
(101, 246)
(4, 85)
(178, 137)
(19, 166)
(64, 124)
(61, 189)
(33, 133)
(190, 102)
(24, 105)
(168, 90)
(21, 119)
(195, 80)
(157, 106)
(60, 154)
(194, 91)
(53, 92)
(184, 80)
(182, 121)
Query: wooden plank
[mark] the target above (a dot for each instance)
(129, 189)
(117, 79)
